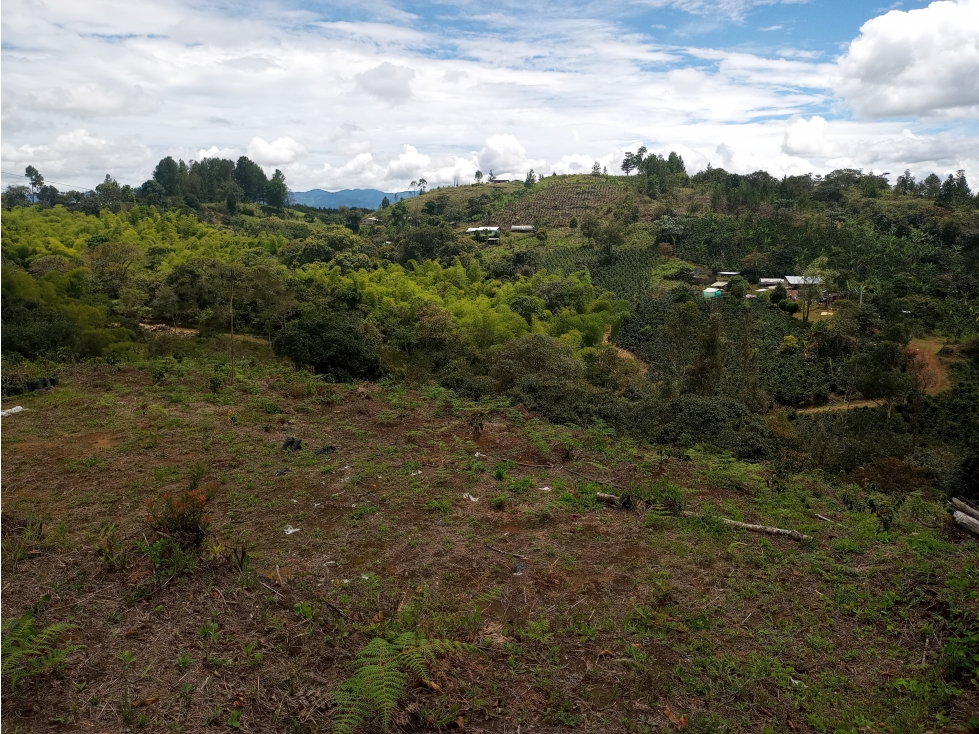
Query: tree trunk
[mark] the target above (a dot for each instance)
(965, 509)
(966, 522)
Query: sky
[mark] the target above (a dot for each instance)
(375, 95)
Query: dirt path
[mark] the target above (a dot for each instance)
(624, 353)
(832, 407)
(932, 376)
(186, 333)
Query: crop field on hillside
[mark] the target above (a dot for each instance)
(408, 510)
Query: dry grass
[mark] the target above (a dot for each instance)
(620, 621)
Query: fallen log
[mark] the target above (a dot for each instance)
(966, 522)
(768, 530)
(965, 509)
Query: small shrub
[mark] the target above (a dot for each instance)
(381, 678)
(111, 548)
(22, 540)
(28, 651)
(182, 517)
(501, 500)
(168, 558)
(438, 506)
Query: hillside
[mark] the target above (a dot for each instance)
(523, 462)
(580, 614)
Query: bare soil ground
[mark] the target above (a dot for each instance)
(585, 616)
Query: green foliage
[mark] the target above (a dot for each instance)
(330, 344)
(381, 678)
(30, 651)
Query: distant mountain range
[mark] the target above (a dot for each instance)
(366, 198)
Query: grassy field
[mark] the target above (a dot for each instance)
(476, 524)
(692, 625)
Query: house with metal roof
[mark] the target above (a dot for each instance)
(522, 228)
(483, 230)
(795, 281)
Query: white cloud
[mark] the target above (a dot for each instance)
(278, 152)
(387, 82)
(410, 164)
(381, 102)
(216, 152)
(503, 154)
(922, 62)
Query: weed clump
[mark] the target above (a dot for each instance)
(183, 516)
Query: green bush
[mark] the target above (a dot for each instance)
(335, 345)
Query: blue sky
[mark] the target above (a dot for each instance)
(374, 95)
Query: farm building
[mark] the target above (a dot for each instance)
(770, 282)
(728, 274)
(795, 281)
(713, 293)
(483, 230)
(719, 284)
(522, 228)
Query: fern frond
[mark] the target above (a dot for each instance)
(380, 679)
(381, 686)
(351, 709)
(489, 596)
(25, 650)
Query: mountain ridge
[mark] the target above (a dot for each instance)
(363, 198)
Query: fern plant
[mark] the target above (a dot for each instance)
(381, 678)
(27, 650)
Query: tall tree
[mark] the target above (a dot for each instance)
(706, 370)
(276, 192)
(817, 278)
(628, 163)
(36, 181)
(167, 174)
(251, 178)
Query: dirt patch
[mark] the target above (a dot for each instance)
(931, 374)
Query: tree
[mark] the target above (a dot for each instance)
(679, 332)
(737, 287)
(399, 214)
(816, 279)
(589, 225)
(707, 367)
(422, 184)
(331, 344)
(596, 170)
(531, 179)
(15, 196)
(932, 186)
(479, 177)
(609, 235)
(778, 294)
(628, 163)
(385, 203)
(167, 174)
(492, 176)
(573, 224)
(276, 192)
(251, 178)
(36, 181)
(905, 183)
(114, 263)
